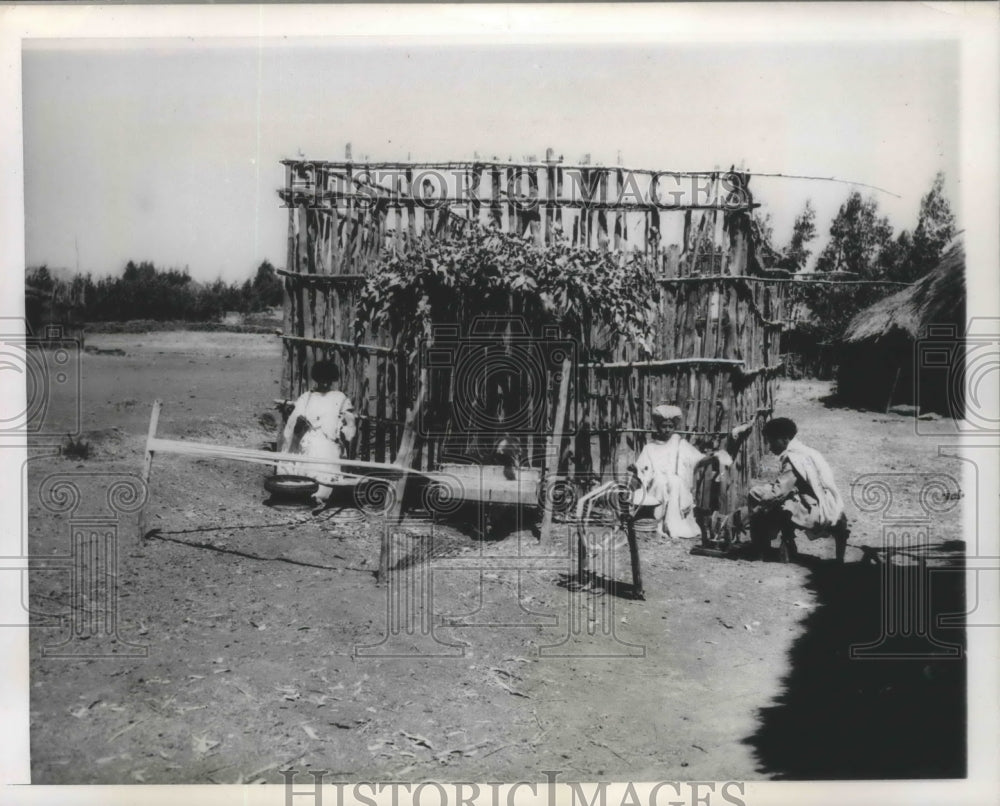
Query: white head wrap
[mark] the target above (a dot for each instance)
(665, 412)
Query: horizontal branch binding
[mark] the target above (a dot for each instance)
(489, 165)
(323, 278)
(666, 362)
(346, 345)
(705, 278)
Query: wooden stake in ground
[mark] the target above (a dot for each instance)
(552, 451)
(147, 465)
(892, 391)
(633, 552)
(404, 457)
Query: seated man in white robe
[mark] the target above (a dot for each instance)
(803, 497)
(320, 426)
(665, 470)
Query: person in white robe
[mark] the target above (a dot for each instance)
(665, 470)
(803, 497)
(321, 426)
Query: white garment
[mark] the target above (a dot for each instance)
(330, 415)
(809, 464)
(666, 472)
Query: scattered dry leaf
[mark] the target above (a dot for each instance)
(202, 744)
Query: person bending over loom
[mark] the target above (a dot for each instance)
(665, 472)
(321, 426)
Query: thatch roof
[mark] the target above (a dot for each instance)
(936, 298)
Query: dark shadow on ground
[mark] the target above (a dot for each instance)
(836, 401)
(875, 716)
(595, 585)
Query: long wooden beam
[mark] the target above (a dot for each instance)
(155, 444)
(259, 457)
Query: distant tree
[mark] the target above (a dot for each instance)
(860, 242)
(763, 231)
(797, 252)
(145, 272)
(266, 290)
(40, 278)
(858, 235)
(935, 228)
(896, 256)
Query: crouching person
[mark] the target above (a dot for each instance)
(804, 496)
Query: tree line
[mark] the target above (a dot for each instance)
(144, 291)
(863, 244)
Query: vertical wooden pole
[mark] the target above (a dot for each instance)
(892, 391)
(548, 221)
(404, 458)
(554, 447)
(633, 552)
(381, 367)
(147, 465)
(287, 351)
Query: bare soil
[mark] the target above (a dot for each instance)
(264, 642)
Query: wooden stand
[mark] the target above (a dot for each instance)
(147, 465)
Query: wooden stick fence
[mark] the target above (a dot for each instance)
(717, 352)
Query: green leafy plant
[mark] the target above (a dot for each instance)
(597, 296)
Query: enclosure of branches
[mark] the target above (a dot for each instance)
(547, 304)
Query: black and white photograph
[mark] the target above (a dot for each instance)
(552, 404)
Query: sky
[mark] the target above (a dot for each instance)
(169, 152)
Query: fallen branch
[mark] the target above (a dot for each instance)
(418, 740)
(496, 750)
(609, 747)
(127, 728)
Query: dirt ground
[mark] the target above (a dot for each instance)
(253, 639)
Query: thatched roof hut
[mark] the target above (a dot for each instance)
(880, 349)
(937, 298)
